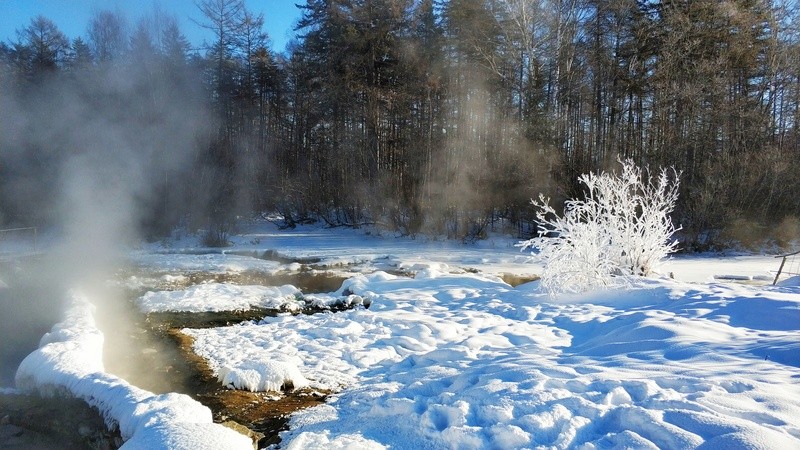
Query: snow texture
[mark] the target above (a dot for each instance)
(465, 361)
(214, 297)
(262, 376)
(69, 362)
(791, 281)
(456, 358)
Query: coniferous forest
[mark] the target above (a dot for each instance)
(418, 116)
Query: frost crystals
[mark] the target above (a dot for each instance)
(622, 228)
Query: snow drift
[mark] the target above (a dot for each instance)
(215, 297)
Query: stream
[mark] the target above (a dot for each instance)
(148, 351)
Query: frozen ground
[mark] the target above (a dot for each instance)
(452, 357)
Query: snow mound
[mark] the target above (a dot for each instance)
(69, 362)
(328, 301)
(187, 436)
(259, 376)
(215, 297)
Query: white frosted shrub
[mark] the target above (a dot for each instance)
(622, 228)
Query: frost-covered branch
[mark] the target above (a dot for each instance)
(622, 228)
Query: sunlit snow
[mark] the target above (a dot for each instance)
(450, 356)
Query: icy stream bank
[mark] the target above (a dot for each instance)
(69, 361)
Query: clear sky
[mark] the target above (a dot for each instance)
(72, 16)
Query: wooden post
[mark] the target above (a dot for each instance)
(775, 281)
(780, 269)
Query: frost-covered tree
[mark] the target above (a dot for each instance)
(622, 228)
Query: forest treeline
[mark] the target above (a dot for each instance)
(423, 116)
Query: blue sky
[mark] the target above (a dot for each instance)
(72, 16)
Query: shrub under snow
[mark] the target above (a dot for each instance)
(621, 228)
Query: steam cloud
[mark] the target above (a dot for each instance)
(92, 159)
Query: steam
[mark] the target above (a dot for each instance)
(487, 161)
(111, 147)
(95, 155)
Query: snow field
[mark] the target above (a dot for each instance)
(215, 297)
(452, 359)
(466, 361)
(214, 262)
(69, 361)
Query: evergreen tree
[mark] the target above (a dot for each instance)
(41, 47)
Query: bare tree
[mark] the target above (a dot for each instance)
(108, 35)
(224, 19)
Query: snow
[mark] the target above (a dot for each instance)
(263, 376)
(215, 297)
(322, 440)
(69, 362)
(347, 250)
(466, 361)
(449, 356)
(704, 268)
(791, 281)
(203, 262)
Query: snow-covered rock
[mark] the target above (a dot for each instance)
(259, 376)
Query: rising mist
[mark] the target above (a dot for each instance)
(98, 157)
